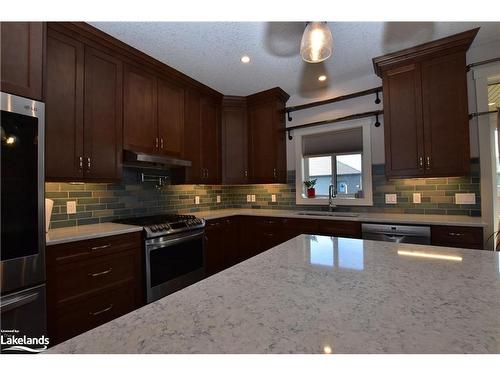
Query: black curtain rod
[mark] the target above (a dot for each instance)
(339, 119)
(484, 62)
(477, 114)
(375, 90)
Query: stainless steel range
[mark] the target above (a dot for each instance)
(174, 252)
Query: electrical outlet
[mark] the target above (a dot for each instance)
(391, 198)
(218, 198)
(71, 207)
(253, 197)
(465, 198)
(273, 197)
(249, 198)
(197, 200)
(417, 198)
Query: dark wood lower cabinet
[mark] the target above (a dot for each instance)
(92, 282)
(453, 236)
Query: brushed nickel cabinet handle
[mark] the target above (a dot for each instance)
(156, 142)
(100, 273)
(100, 247)
(161, 143)
(454, 234)
(421, 162)
(428, 162)
(88, 163)
(246, 173)
(274, 172)
(101, 311)
(80, 162)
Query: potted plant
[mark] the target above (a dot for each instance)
(311, 191)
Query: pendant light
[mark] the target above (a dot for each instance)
(316, 44)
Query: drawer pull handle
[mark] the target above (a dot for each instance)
(101, 311)
(101, 273)
(100, 247)
(454, 234)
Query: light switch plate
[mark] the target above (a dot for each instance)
(218, 198)
(249, 198)
(197, 200)
(465, 198)
(391, 198)
(417, 198)
(273, 197)
(71, 207)
(253, 197)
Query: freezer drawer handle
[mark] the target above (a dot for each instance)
(101, 273)
(101, 311)
(15, 302)
(454, 234)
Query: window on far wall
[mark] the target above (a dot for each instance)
(339, 157)
(344, 171)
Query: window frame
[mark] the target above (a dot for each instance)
(366, 169)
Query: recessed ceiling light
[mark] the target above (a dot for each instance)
(492, 103)
(322, 78)
(245, 59)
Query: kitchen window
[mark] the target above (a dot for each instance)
(341, 157)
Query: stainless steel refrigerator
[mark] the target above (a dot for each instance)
(22, 269)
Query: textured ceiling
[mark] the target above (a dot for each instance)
(210, 51)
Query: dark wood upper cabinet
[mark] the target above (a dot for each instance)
(170, 117)
(102, 115)
(234, 140)
(210, 144)
(83, 112)
(201, 139)
(140, 131)
(267, 143)
(404, 142)
(425, 108)
(22, 58)
(64, 108)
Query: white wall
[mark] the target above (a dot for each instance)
(366, 103)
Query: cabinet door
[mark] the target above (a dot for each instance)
(22, 58)
(192, 139)
(262, 143)
(103, 115)
(404, 153)
(170, 117)
(445, 114)
(64, 108)
(140, 131)
(209, 140)
(234, 144)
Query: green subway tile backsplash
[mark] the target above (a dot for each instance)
(105, 202)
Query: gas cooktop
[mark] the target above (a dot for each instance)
(162, 225)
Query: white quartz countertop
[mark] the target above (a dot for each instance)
(316, 294)
(364, 217)
(87, 232)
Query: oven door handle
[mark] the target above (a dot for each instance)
(164, 243)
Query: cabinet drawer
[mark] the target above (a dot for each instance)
(75, 279)
(76, 318)
(340, 228)
(82, 250)
(466, 237)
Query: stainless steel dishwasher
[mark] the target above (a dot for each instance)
(397, 233)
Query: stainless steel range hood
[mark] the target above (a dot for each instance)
(143, 160)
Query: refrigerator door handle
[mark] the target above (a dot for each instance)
(12, 303)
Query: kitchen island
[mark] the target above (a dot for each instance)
(316, 294)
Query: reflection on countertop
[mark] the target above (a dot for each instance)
(315, 294)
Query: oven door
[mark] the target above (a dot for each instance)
(173, 262)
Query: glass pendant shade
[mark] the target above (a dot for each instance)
(317, 42)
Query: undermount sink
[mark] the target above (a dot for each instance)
(339, 214)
